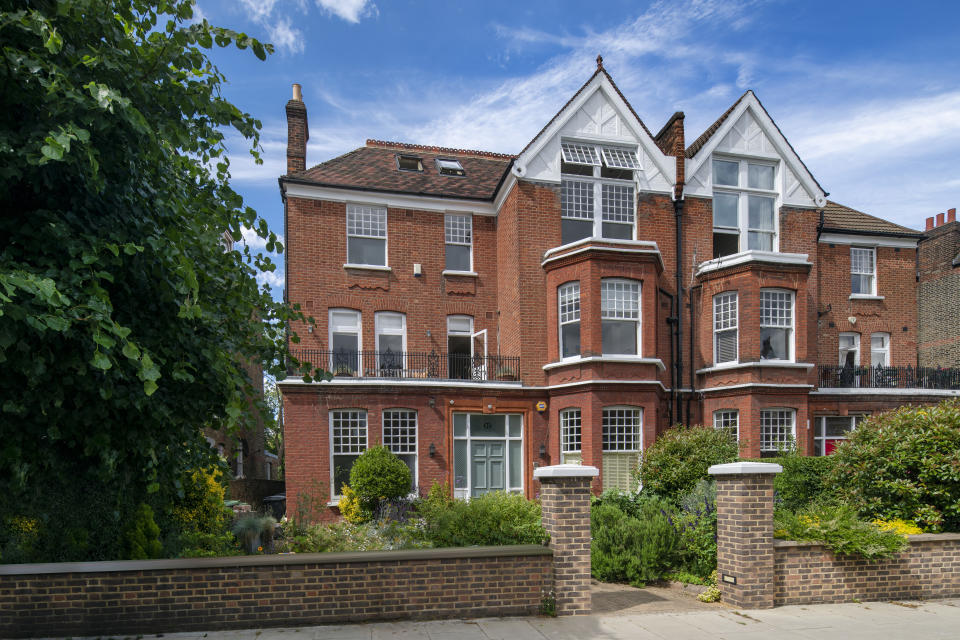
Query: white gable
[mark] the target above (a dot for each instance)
(598, 114)
(750, 132)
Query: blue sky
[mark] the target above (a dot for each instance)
(867, 92)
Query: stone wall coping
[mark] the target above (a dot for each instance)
(744, 468)
(919, 537)
(566, 471)
(280, 559)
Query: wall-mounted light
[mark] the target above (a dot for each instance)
(428, 333)
(432, 402)
(543, 451)
(310, 328)
(433, 450)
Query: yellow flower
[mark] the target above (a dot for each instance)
(260, 549)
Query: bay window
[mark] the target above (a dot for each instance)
(620, 316)
(725, 322)
(777, 431)
(744, 206)
(570, 436)
(348, 439)
(621, 440)
(366, 235)
(597, 193)
(776, 324)
(568, 302)
(727, 420)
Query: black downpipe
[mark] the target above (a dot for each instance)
(671, 319)
(693, 384)
(678, 329)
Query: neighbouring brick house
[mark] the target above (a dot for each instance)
(485, 314)
(938, 292)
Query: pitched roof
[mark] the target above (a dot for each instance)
(697, 144)
(837, 217)
(374, 168)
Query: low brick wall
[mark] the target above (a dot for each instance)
(156, 596)
(807, 572)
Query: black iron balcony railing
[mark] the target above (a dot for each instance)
(888, 377)
(436, 365)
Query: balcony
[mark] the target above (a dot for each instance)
(397, 365)
(844, 377)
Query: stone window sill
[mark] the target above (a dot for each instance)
(366, 267)
(861, 296)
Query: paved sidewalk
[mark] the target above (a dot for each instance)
(868, 621)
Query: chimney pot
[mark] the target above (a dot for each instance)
(939, 219)
(297, 92)
(929, 223)
(951, 215)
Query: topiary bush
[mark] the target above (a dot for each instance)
(904, 464)
(633, 549)
(143, 536)
(678, 459)
(379, 475)
(494, 518)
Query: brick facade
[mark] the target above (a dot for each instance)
(938, 295)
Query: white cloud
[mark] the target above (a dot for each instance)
(272, 278)
(349, 10)
(255, 242)
(285, 37)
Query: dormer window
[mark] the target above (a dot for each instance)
(450, 168)
(597, 192)
(410, 163)
(744, 206)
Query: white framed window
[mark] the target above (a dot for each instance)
(776, 325)
(450, 167)
(400, 438)
(777, 431)
(863, 268)
(880, 350)
(391, 333)
(849, 349)
(345, 342)
(458, 237)
(831, 431)
(570, 437)
(568, 310)
(744, 206)
(366, 235)
(621, 436)
(348, 439)
(725, 328)
(487, 453)
(620, 316)
(727, 420)
(597, 192)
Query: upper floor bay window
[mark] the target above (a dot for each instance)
(366, 235)
(776, 325)
(344, 341)
(744, 207)
(570, 436)
(620, 316)
(597, 194)
(863, 267)
(458, 235)
(568, 303)
(725, 323)
(348, 439)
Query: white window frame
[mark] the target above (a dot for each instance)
(357, 450)
(632, 454)
(743, 193)
(455, 236)
(361, 209)
(771, 447)
(404, 448)
(571, 434)
(820, 431)
(885, 350)
(612, 156)
(380, 330)
(792, 328)
(858, 270)
(727, 420)
(568, 294)
(841, 352)
(333, 328)
(507, 439)
(639, 319)
(726, 320)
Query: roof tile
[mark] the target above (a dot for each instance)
(841, 218)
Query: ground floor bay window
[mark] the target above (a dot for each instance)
(487, 453)
(621, 439)
(777, 431)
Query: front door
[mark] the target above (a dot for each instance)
(487, 466)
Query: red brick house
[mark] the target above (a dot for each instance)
(485, 314)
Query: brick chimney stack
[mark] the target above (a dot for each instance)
(930, 223)
(951, 215)
(939, 219)
(297, 132)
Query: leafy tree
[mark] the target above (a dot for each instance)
(678, 459)
(125, 322)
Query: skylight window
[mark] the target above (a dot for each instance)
(450, 168)
(409, 163)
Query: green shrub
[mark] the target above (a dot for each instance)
(379, 475)
(629, 503)
(495, 518)
(345, 536)
(632, 549)
(839, 529)
(679, 458)
(350, 507)
(696, 525)
(805, 480)
(143, 536)
(254, 531)
(904, 464)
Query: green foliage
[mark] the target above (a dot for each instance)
(495, 518)
(143, 536)
(379, 475)
(696, 524)
(350, 507)
(840, 529)
(904, 464)
(632, 548)
(805, 480)
(125, 326)
(253, 531)
(197, 522)
(679, 458)
(346, 536)
(712, 593)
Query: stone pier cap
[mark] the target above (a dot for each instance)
(744, 468)
(568, 471)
